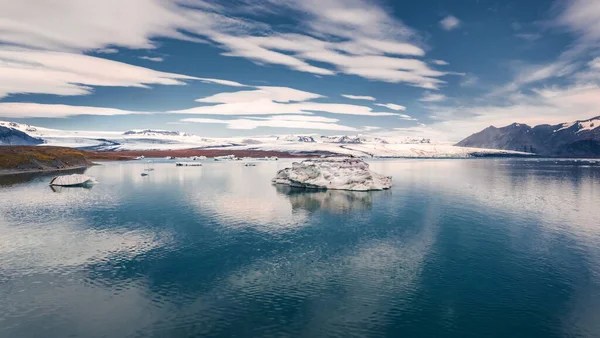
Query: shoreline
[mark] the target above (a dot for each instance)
(8, 172)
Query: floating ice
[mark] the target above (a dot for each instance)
(340, 173)
(74, 180)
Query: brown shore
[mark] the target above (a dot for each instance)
(131, 154)
(32, 159)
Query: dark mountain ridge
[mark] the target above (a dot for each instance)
(572, 139)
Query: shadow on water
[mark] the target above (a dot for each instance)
(59, 189)
(20, 178)
(336, 201)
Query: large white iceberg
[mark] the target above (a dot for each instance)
(339, 173)
(75, 180)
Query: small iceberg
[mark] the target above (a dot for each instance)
(74, 180)
(140, 157)
(338, 173)
(187, 164)
(272, 158)
(227, 158)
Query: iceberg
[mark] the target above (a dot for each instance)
(187, 164)
(74, 180)
(338, 173)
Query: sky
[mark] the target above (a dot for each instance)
(442, 69)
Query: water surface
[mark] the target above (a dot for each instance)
(457, 248)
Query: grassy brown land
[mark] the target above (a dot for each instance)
(31, 158)
(15, 159)
(207, 153)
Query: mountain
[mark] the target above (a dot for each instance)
(165, 140)
(10, 135)
(154, 132)
(571, 139)
(299, 138)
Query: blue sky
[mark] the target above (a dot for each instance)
(442, 69)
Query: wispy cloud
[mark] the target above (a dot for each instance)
(354, 37)
(28, 71)
(359, 97)
(391, 106)
(277, 121)
(450, 23)
(106, 51)
(370, 128)
(581, 17)
(431, 97)
(58, 73)
(152, 58)
(265, 100)
(440, 62)
(31, 110)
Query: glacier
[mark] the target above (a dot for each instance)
(336, 173)
(303, 144)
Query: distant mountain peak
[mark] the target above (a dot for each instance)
(578, 138)
(155, 132)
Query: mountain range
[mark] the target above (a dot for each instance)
(165, 140)
(571, 139)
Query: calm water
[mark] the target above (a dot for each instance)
(458, 248)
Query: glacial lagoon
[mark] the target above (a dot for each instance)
(457, 248)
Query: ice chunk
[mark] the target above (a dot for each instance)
(340, 173)
(74, 180)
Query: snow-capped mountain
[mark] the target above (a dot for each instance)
(13, 136)
(299, 138)
(153, 139)
(578, 138)
(154, 132)
(342, 139)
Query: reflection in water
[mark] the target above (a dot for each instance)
(337, 201)
(60, 189)
(457, 248)
(12, 179)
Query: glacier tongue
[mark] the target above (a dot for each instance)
(338, 173)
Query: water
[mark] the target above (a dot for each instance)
(457, 248)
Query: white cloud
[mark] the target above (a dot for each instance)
(354, 37)
(440, 62)
(152, 58)
(450, 22)
(530, 74)
(31, 110)
(106, 51)
(544, 106)
(430, 97)
(391, 106)
(582, 17)
(469, 80)
(358, 97)
(370, 128)
(407, 117)
(273, 100)
(277, 94)
(45, 72)
(279, 121)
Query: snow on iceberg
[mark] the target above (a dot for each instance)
(339, 173)
(75, 180)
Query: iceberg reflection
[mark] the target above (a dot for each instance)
(337, 201)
